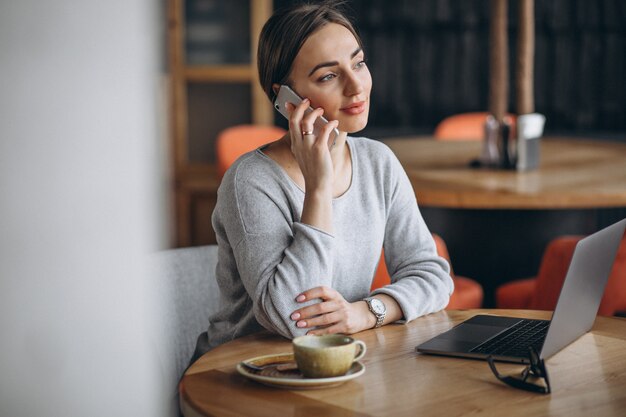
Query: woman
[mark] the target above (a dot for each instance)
(300, 223)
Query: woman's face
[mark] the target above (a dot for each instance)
(330, 71)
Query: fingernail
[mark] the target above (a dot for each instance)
(301, 324)
(295, 316)
(300, 298)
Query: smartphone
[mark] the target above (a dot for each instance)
(287, 95)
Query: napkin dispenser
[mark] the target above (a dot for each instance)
(529, 132)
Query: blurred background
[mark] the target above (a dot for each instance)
(109, 117)
(428, 58)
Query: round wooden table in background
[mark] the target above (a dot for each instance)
(573, 174)
(497, 223)
(587, 377)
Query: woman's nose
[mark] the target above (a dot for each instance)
(353, 85)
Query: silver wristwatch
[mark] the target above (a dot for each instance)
(378, 308)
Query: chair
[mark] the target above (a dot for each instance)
(467, 292)
(464, 126)
(186, 284)
(235, 141)
(542, 292)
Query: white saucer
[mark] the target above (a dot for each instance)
(292, 379)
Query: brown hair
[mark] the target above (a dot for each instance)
(284, 34)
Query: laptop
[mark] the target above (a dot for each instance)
(508, 339)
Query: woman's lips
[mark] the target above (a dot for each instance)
(354, 109)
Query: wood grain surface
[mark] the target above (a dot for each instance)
(587, 377)
(573, 174)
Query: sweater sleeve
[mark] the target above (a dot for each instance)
(276, 256)
(420, 278)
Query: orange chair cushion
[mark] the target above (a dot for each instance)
(235, 141)
(465, 126)
(552, 271)
(542, 292)
(381, 277)
(614, 299)
(515, 294)
(467, 292)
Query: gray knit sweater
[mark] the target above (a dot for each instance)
(267, 257)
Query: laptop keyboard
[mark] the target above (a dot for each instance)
(515, 340)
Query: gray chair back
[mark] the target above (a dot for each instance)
(189, 295)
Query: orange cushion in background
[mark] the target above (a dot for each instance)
(614, 299)
(542, 292)
(467, 294)
(235, 141)
(516, 294)
(381, 277)
(466, 126)
(552, 271)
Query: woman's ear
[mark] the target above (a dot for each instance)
(275, 88)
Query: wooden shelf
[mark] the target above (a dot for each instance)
(219, 73)
(194, 183)
(198, 178)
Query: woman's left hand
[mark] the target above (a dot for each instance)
(333, 314)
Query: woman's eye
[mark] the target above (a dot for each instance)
(327, 77)
(360, 64)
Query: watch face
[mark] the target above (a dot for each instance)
(378, 306)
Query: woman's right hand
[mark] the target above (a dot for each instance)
(311, 152)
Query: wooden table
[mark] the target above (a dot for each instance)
(588, 378)
(497, 223)
(572, 174)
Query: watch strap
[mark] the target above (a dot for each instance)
(380, 317)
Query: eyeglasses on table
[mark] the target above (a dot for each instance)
(534, 377)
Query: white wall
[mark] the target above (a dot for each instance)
(79, 207)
